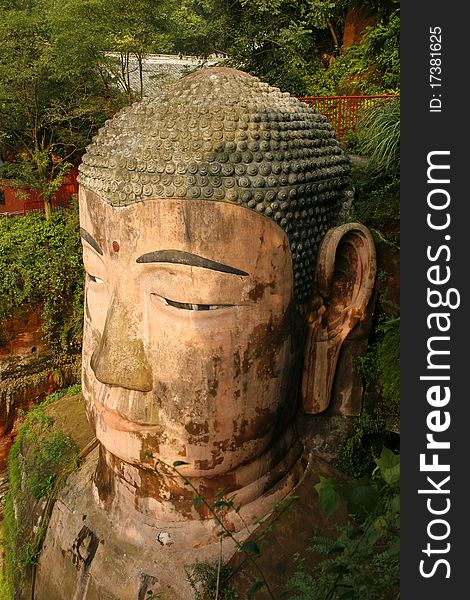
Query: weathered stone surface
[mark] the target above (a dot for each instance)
(28, 509)
(347, 391)
(24, 361)
(189, 391)
(108, 555)
(286, 533)
(97, 556)
(102, 556)
(22, 335)
(69, 415)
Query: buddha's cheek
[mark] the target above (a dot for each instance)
(219, 391)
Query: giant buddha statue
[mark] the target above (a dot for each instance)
(219, 289)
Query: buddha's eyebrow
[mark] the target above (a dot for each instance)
(186, 258)
(88, 238)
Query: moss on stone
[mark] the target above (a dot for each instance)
(28, 381)
(40, 453)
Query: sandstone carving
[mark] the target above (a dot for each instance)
(218, 288)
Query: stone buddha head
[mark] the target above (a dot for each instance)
(218, 289)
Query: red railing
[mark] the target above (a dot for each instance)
(344, 112)
(59, 200)
(57, 203)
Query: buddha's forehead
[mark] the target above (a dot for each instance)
(224, 136)
(218, 232)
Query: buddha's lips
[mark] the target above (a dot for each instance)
(115, 421)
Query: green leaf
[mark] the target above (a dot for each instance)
(256, 588)
(361, 498)
(392, 476)
(223, 534)
(179, 463)
(395, 503)
(251, 548)
(389, 467)
(381, 524)
(328, 497)
(387, 459)
(374, 534)
(198, 500)
(221, 504)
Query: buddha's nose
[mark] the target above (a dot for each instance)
(120, 359)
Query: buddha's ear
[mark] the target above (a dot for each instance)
(345, 275)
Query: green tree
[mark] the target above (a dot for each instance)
(54, 90)
(277, 40)
(134, 29)
(289, 43)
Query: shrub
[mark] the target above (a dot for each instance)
(379, 136)
(362, 560)
(41, 266)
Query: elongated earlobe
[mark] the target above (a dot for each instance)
(345, 276)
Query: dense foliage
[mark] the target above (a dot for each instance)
(377, 205)
(373, 66)
(294, 45)
(377, 197)
(52, 94)
(362, 561)
(379, 422)
(377, 201)
(41, 268)
(378, 137)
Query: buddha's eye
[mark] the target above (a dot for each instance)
(188, 306)
(94, 279)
